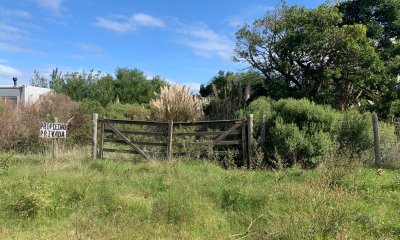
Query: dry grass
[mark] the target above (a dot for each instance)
(20, 127)
(177, 103)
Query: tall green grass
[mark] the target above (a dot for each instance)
(78, 198)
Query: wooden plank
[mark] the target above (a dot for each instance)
(199, 134)
(129, 142)
(137, 142)
(244, 143)
(169, 140)
(226, 133)
(132, 122)
(234, 142)
(134, 132)
(101, 143)
(131, 151)
(206, 123)
(263, 133)
(250, 124)
(94, 135)
(202, 152)
(377, 147)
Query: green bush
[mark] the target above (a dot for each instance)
(90, 107)
(307, 115)
(298, 131)
(355, 132)
(127, 111)
(259, 107)
(301, 132)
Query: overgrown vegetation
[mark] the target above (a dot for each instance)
(346, 56)
(75, 197)
(301, 132)
(20, 127)
(177, 103)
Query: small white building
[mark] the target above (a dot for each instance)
(21, 94)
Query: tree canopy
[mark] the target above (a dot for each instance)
(311, 53)
(128, 86)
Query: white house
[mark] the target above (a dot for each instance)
(21, 94)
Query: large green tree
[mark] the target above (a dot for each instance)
(382, 18)
(310, 54)
(131, 85)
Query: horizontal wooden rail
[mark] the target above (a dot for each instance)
(132, 122)
(203, 152)
(207, 123)
(136, 142)
(174, 134)
(199, 134)
(236, 142)
(130, 151)
(133, 132)
(183, 134)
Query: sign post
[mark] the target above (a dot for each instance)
(53, 130)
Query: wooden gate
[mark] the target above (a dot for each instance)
(166, 135)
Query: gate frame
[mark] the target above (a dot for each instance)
(106, 126)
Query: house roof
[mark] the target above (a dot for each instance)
(21, 86)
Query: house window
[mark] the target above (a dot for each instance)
(13, 100)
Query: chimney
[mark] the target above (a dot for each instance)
(15, 81)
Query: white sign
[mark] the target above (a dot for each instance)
(53, 130)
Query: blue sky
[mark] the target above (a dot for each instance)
(185, 42)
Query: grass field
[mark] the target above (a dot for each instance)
(78, 198)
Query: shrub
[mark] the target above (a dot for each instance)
(177, 103)
(20, 127)
(355, 132)
(299, 131)
(127, 111)
(307, 115)
(90, 107)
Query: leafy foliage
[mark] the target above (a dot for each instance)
(308, 54)
(301, 132)
(128, 86)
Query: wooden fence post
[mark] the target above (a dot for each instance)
(244, 142)
(250, 124)
(94, 136)
(263, 134)
(377, 147)
(169, 143)
(101, 143)
(54, 141)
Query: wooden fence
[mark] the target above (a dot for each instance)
(165, 136)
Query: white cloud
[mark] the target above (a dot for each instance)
(55, 6)
(6, 47)
(87, 51)
(122, 24)
(11, 33)
(147, 20)
(14, 13)
(206, 42)
(91, 48)
(9, 71)
(9, 28)
(115, 25)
